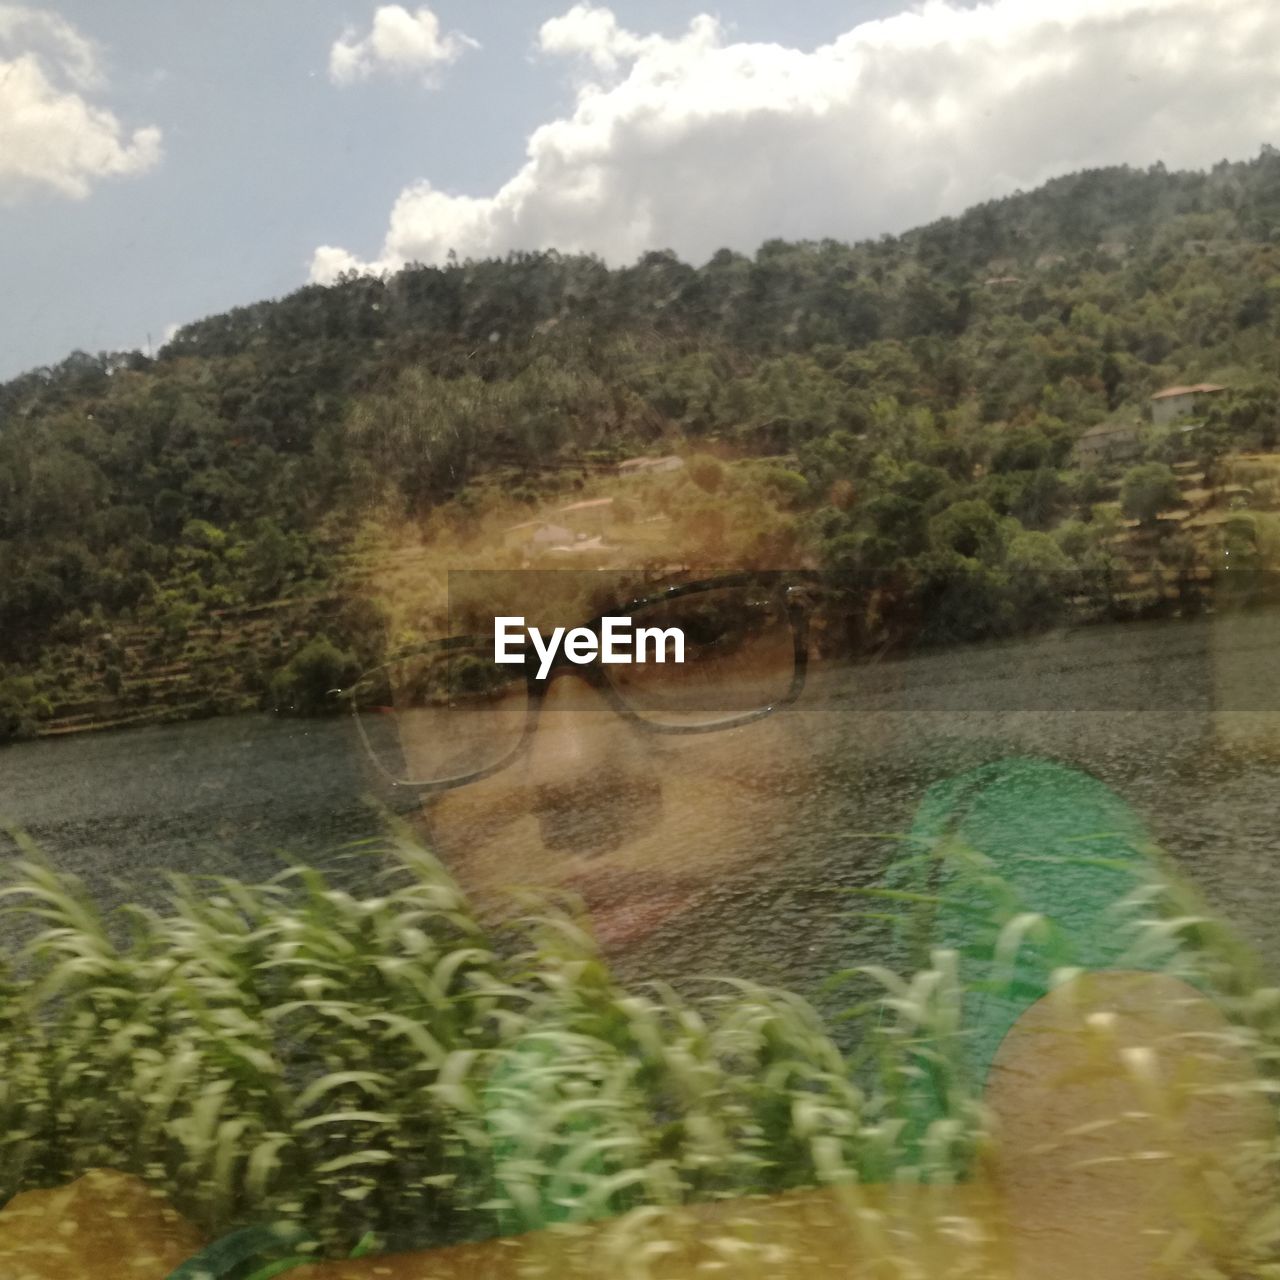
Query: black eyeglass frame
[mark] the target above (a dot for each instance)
(793, 599)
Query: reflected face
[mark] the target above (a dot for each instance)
(640, 787)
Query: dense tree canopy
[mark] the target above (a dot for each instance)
(925, 393)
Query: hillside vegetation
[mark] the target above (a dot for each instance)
(211, 529)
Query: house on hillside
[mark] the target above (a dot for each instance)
(1109, 442)
(650, 466)
(591, 517)
(1181, 402)
(1234, 497)
(592, 552)
(1211, 248)
(535, 535)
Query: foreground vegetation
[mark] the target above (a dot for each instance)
(175, 531)
(288, 1051)
(382, 1063)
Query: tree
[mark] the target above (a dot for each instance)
(706, 472)
(1021, 449)
(306, 685)
(1148, 489)
(969, 528)
(1037, 566)
(20, 708)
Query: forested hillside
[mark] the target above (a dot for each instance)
(178, 534)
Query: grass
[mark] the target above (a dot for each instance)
(291, 1052)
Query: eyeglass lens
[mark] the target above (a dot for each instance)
(451, 712)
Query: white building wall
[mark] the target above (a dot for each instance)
(1170, 409)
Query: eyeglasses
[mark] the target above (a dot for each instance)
(445, 714)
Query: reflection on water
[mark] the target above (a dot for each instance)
(223, 796)
(1139, 707)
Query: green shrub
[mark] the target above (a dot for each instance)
(1148, 489)
(21, 708)
(706, 472)
(306, 686)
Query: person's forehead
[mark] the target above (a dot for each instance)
(444, 585)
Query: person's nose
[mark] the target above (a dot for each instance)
(576, 728)
(592, 782)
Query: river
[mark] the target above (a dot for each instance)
(1139, 706)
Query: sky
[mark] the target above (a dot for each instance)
(165, 160)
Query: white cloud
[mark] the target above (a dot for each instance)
(591, 32)
(52, 138)
(693, 143)
(399, 43)
(329, 263)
